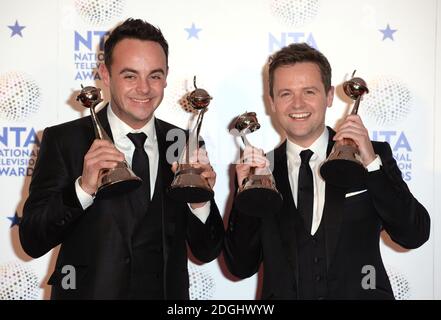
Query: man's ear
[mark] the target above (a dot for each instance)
(166, 76)
(330, 96)
(271, 101)
(104, 74)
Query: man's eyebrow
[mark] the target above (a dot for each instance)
(160, 70)
(128, 70)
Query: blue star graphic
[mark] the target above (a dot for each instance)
(15, 220)
(16, 29)
(388, 33)
(193, 31)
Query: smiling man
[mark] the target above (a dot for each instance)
(324, 238)
(132, 245)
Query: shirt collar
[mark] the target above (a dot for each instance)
(120, 129)
(319, 147)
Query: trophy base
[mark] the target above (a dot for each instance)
(258, 202)
(259, 196)
(190, 194)
(344, 173)
(117, 181)
(188, 186)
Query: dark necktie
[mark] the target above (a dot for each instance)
(305, 194)
(140, 160)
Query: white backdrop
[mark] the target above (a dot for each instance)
(51, 47)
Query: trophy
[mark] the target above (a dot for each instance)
(115, 180)
(188, 185)
(258, 195)
(343, 167)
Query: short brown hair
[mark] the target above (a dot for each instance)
(295, 53)
(133, 29)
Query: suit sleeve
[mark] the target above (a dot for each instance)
(243, 247)
(403, 217)
(205, 239)
(52, 206)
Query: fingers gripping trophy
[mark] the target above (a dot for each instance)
(343, 167)
(188, 185)
(258, 195)
(116, 180)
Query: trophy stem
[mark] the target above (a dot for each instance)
(193, 138)
(247, 143)
(356, 105)
(198, 127)
(99, 132)
(245, 140)
(199, 123)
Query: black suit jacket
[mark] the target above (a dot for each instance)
(352, 233)
(97, 241)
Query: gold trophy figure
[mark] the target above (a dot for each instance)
(110, 181)
(343, 166)
(188, 185)
(258, 195)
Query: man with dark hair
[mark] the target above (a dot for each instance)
(131, 245)
(324, 240)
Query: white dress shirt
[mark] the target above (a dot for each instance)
(122, 142)
(319, 147)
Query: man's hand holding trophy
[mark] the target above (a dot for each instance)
(257, 193)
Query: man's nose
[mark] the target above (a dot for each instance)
(143, 86)
(297, 101)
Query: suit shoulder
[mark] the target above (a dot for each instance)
(381, 148)
(76, 129)
(166, 125)
(71, 125)
(165, 129)
(279, 150)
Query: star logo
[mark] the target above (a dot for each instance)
(15, 220)
(193, 31)
(388, 33)
(16, 29)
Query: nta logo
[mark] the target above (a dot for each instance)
(99, 12)
(20, 96)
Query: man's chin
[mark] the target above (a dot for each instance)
(299, 135)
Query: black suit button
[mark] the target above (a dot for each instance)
(127, 260)
(316, 259)
(320, 298)
(318, 278)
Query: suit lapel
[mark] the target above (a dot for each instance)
(332, 211)
(285, 216)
